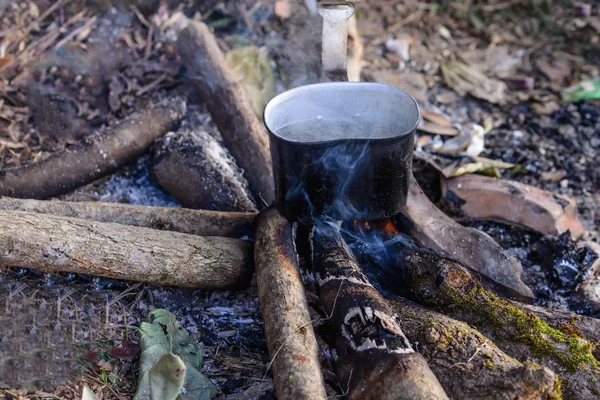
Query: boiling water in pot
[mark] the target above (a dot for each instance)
(321, 130)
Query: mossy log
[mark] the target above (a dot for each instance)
(53, 244)
(94, 156)
(450, 288)
(195, 222)
(374, 355)
(288, 328)
(468, 365)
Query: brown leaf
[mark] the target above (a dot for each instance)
(436, 118)
(437, 129)
(556, 71)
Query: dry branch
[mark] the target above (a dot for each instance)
(52, 244)
(374, 356)
(429, 226)
(449, 287)
(195, 222)
(94, 156)
(288, 328)
(230, 109)
(467, 364)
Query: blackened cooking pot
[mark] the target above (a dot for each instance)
(358, 173)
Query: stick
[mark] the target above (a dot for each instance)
(467, 364)
(429, 226)
(449, 287)
(374, 356)
(53, 244)
(195, 222)
(94, 156)
(230, 109)
(288, 328)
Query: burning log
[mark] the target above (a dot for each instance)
(374, 355)
(467, 364)
(230, 109)
(482, 197)
(200, 173)
(429, 226)
(195, 222)
(449, 287)
(94, 156)
(288, 328)
(52, 244)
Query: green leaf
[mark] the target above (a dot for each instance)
(88, 394)
(166, 377)
(161, 336)
(586, 90)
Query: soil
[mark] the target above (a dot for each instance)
(121, 60)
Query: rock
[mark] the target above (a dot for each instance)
(200, 173)
(515, 203)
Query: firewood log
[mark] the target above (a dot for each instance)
(469, 365)
(93, 157)
(52, 244)
(195, 222)
(450, 288)
(374, 355)
(425, 223)
(288, 328)
(226, 101)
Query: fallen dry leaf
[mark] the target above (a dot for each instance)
(437, 129)
(436, 118)
(464, 79)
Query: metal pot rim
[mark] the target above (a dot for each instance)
(412, 112)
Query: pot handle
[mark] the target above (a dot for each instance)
(335, 39)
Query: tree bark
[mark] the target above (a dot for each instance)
(374, 355)
(229, 107)
(52, 244)
(195, 222)
(468, 365)
(288, 328)
(94, 156)
(425, 223)
(450, 288)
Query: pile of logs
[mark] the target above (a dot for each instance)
(451, 334)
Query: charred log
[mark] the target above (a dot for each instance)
(195, 222)
(94, 156)
(53, 244)
(288, 327)
(374, 355)
(429, 226)
(230, 109)
(195, 168)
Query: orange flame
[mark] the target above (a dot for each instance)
(385, 225)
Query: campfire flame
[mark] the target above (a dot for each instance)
(384, 225)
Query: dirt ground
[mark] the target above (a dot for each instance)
(87, 64)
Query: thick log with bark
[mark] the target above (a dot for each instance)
(288, 328)
(230, 109)
(469, 365)
(374, 355)
(195, 222)
(450, 288)
(429, 226)
(52, 244)
(93, 157)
